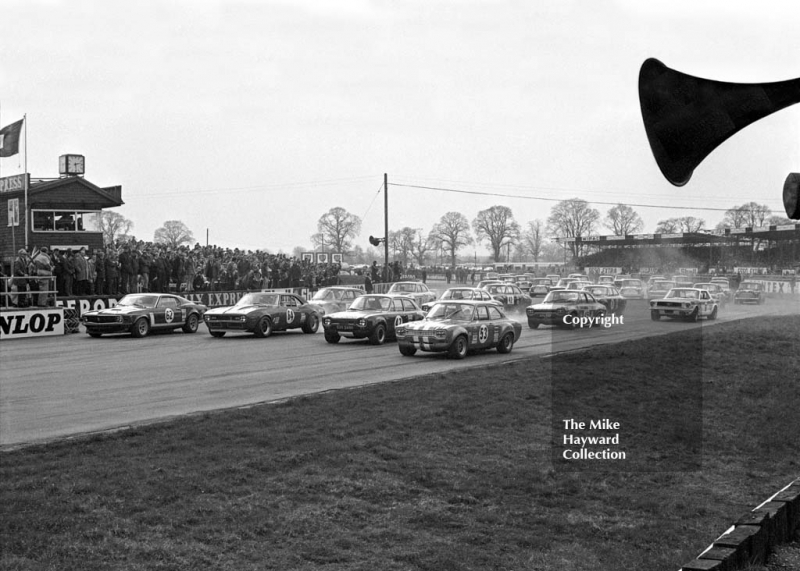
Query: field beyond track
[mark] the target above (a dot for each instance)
(446, 472)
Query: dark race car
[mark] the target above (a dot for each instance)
(512, 298)
(564, 308)
(609, 296)
(750, 292)
(262, 313)
(139, 313)
(373, 317)
(457, 327)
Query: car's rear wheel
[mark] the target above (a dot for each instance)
(654, 315)
(332, 337)
(141, 328)
(191, 324)
(217, 333)
(378, 335)
(263, 327)
(458, 349)
(312, 323)
(506, 343)
(408, 350)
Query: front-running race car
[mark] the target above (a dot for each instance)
(457, 327)
(371, 316)
(140, 313)
(262, 313)
(685, 303)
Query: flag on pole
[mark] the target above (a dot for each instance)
(9, 139)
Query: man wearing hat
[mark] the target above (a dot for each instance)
(43, 268)
(21, 270)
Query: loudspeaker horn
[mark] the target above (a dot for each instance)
(687, 117)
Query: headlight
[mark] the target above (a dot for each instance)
(327, 322)
(400, 332)
(362, 322)
(561, 310)
(242, 318)
(119, 319)
(441, 333)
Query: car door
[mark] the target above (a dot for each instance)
(166, 313)
(290, 314)
(483, 336)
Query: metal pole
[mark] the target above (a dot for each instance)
(27, 215)
(386, 222)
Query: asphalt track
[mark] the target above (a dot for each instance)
(56, 387)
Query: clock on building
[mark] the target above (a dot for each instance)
(71, 164)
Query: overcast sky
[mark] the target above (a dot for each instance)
(251, 119)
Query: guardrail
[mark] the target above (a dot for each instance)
(27, 291)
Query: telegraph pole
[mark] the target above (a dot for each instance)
(386, 222)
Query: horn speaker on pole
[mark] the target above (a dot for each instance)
(687, 117)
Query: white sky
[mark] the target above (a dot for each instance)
(251, 119)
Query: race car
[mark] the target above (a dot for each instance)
(335, 298)
(457, 327)
(685, 303)
(540, 287)
(609, 296)
(716, 291)
(750, 292)
(631, 288)
(564, 308)
(605, 280)
(456, 293)
(416, 290)
(140, 313)
(510, 296)
(371, 316)
(262, 313)
(659, 289)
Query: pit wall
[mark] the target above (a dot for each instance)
(755, 535)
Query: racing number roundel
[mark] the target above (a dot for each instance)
(289, 316)
(483, 334)
(169, 315)
(398, 321)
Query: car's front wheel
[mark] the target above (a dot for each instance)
(654, 315)
(263, 327)
(191, 324)
(713, 315)
(378, 335)
(408, 350)
(533, 324)
(332, 337)
(506, 343)
(695, 315)
(458, 349)
(141, 328)
(217, 333)
(95, 335)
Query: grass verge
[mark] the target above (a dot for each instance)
(450, 471)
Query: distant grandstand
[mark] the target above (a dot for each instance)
(770, 247)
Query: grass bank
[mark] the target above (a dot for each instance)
(446, 472)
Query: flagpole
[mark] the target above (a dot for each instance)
(27, 216)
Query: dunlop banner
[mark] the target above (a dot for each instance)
(31, 323)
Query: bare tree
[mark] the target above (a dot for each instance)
(682, 224)
(533, 239)
(497, 226)
(572, 218)
(174, 234)
(113, 225)
(623, 220)
(338, 228)
(403, 240)
(421, 246)
(750, 215)
(452, 232)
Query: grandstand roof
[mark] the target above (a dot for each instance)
(728, 235)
